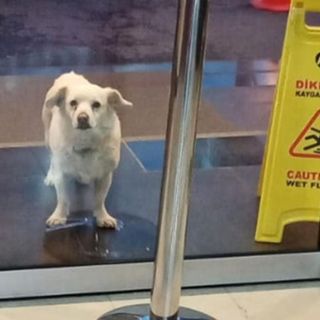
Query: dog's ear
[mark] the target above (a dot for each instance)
(55, 97)
(115, 99)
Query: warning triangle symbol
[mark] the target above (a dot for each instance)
(307, 145)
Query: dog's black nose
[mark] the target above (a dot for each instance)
(83, 121)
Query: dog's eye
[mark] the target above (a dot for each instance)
(74, 103)
(96, 105)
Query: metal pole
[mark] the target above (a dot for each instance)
(186, 78)
(183, 108)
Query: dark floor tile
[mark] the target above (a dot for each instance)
(229, 152)
(223, 215)
(244, 80)
(209, 152)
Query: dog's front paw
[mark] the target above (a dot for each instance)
(105, 220)
(56, 219)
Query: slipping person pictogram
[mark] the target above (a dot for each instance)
(307, 145)
(316, 137)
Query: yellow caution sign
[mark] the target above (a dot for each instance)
(290, 184)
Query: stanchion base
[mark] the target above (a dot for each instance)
(141, 312)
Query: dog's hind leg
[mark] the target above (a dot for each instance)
(61, 212)
(102, 187)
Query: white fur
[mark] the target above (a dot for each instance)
(89, 155)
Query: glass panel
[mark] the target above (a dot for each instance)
(128, 45)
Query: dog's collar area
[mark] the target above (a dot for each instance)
(83, 151)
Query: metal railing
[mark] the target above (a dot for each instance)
(186, 79)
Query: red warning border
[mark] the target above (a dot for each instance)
(301, 136)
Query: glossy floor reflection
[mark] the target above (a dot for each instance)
(80, 240)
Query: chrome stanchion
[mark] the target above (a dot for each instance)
(186, 78)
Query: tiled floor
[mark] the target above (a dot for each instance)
(288, 301)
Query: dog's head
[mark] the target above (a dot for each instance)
(87, 105)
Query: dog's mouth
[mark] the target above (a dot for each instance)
(84, 126)
(83, 151)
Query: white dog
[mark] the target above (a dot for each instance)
(83, 133)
